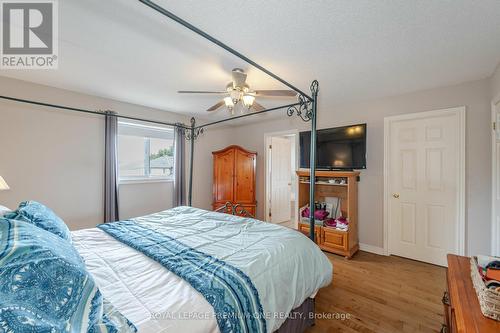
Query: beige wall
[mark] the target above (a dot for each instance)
(138, 199)
(57, 157)
(474, 95)
(495, 83)
(213, 139)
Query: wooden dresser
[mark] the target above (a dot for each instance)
(234, 178)
(329, 239)
(461, 306)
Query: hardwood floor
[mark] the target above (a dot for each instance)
(381, 294)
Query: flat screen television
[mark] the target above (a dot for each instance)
(339, 148)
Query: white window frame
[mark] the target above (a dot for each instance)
(147, 178)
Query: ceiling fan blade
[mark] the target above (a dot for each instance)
(201, 92)
(239, 77)
(216, 106)
(284, 93)
(257, 107)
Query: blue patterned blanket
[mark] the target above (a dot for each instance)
(45, 287)
(230, 291)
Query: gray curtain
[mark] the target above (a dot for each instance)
(179, 168)
(111, 169)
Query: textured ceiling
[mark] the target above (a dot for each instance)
(358, 50)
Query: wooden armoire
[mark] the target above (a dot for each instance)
(234, 178)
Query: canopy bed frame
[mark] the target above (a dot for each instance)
(306, 108)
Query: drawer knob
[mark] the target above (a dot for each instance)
(446, 298)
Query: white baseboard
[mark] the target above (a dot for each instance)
(372, 249)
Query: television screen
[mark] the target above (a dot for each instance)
(337, 148)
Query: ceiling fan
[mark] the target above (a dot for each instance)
(238, 92)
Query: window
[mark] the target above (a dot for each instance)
(145, 152)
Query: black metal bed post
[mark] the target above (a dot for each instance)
(312, 158)
(191, 157)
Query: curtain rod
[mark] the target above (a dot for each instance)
(200, 32)
(100, 113)
(248, 115)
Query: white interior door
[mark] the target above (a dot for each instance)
(424, 184)
(496, 182)
(281, 186)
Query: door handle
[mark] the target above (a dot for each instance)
(395, 195)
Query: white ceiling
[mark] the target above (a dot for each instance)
(358, 50)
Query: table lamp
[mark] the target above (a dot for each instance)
(3, 185)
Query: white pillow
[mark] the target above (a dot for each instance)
(4, 210)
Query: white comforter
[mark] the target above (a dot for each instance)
(284, 265)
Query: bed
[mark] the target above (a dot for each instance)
(286, 268)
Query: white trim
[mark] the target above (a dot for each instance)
(386, 185)
(461, 180)
(145, 181)
(460, 113)
(495, 226)
(267, 138)
(372, 249)
(145, 126)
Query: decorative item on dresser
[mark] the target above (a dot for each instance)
(234, 178)
(462, 311)
(333, 184)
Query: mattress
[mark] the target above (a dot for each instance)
(283, 264)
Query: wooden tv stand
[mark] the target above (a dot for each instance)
(329, 239)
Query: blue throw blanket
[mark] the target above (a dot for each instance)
(230, 291)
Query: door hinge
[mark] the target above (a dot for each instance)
(270, 213)
(270, 146)
(494, 126)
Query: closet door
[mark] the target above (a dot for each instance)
(425, 156)
(223, 176)
(244, 169)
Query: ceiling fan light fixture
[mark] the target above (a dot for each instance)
(238, 93)
(229, 102)
(248, 101)
(235, 95)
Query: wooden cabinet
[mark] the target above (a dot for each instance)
(462, 312)
(330, 239)
(305, 230)
(234, 178)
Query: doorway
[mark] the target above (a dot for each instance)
(424, 174)
(281, 179)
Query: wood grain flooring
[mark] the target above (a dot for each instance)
(372, 293)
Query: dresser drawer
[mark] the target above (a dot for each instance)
(334, 239)
(303, 228)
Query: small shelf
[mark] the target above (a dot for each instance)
(335, 229)
(324, 183)
(324, 227)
